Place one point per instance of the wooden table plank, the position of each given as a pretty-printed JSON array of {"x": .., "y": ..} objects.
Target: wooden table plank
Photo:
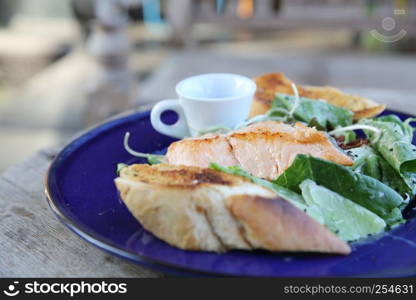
[{"x": 33, "y": 243}]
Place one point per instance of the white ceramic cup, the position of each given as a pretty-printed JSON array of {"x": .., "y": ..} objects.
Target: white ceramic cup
[{"x": 206, "y": 101}]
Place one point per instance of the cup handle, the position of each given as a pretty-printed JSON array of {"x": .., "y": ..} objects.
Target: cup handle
[{"x": 179, "y": 129}]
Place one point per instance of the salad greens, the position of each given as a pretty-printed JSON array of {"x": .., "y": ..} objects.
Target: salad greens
[
  {"x": 395, "y": 143},
  {"x": 349, "y": 136},
  {"x": 364, "y": 190},
  {"x": 406, "y": 127},
  {"x": 395, "y": 146},
  {"x": 316, "y": 113},
  {"x": 322, "y": 115},
  {"x": 368, "y": 162},
  {"x": 323, "y": 205},
  {"x": 339, "y": 212}
]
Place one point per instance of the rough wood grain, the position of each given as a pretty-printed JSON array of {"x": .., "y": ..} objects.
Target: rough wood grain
[{"x": 33, "y": 243}]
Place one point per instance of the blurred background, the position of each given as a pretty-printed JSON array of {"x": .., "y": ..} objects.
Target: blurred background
[{"x": 68, "y": 64}]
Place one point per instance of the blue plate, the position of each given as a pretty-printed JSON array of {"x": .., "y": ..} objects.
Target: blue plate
[{"x": 81, "y": 192}]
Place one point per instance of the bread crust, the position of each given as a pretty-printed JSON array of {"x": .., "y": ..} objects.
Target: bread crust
[
  {"x": 271, "y": 83},
  {"x": 201, "y": 209},
  {"x": 259, "y": 214},
  {"x": 178, "y": 176}
]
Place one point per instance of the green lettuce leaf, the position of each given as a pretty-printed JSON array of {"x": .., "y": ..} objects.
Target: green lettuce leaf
[
  {"x": 395, "y": 218},
  {"x": 363, "y": 190},
  {"x": 342, "y": 216},
  {"x": 349, "y": 136},
  {"x": 405, "y": 126},
  {"x": 395, "y": 145},
  {"x": 316, "y": 113},
  {"x": 368, "y": 162}
]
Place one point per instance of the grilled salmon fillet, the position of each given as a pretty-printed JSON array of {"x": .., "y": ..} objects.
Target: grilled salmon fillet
[
  {"x": 264, "y": 149},
  {"x": 202, "y": 151},
  {"x": 194, "y": 208}
]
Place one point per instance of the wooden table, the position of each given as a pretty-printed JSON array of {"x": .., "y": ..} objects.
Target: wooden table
[{"x": 33, "y": 243}]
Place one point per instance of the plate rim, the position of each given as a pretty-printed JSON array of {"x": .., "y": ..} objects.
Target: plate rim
[{"x": 132, "y": 256}]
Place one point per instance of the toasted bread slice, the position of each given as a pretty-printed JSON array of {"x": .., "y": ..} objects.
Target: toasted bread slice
[
  {"x": 276, "y": 225},
  {"x": 268, "y": 85},
  {"x": 201, "y": 209}
]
